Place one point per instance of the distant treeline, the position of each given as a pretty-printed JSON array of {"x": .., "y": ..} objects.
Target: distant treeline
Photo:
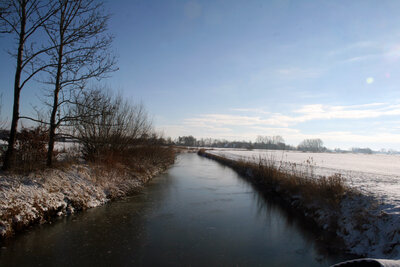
[
  {"x": 268, "y": 142},
  {"x": 262, "y": 142},
  {"x": 221, "y": 143}
]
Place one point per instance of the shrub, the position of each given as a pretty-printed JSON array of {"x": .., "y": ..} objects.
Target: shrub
[
  {"x": 31, "y": 149},
  {"x": 108, "y": 124}
]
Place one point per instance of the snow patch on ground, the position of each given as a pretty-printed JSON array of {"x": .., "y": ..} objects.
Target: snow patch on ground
[{"x": 38, "y": 197}]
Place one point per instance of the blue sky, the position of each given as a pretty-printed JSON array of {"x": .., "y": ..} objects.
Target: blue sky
[{"x": 237, "y": 69}]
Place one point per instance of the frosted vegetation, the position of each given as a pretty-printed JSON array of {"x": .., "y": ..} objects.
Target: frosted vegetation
[
  {"x": 369, "y": 219},
  {"x": 42, "y": 195}
]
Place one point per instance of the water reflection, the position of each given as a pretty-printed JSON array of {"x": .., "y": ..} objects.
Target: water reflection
[{"x": 200, "y": 213}]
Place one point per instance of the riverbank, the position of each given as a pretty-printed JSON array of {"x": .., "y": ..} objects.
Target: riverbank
[
  {"x": 43, "y": 195},
  {"x": 357, "y": 218}
]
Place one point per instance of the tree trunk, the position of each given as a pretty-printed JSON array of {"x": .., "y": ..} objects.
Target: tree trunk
[
  {"x": 7, "y": 164},
  {"x": 53, "y": 124}
]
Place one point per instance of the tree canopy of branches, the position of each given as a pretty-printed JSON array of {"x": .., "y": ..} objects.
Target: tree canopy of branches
[
  {"x": 270, "y": 142},
  {"x": 23, "y": 19},
  {"x": 77, "y": 31},
  {"x": 313, "y": 145},
  {"x": 107, "y": 122},
  {"x": 187, "y": 140}
]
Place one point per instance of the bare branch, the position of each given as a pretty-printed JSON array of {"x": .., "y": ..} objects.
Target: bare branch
[
  {"x": 33, "y": 119},
  {"x": 80, "y": 52}
]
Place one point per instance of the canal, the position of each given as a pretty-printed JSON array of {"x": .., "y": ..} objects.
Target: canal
[{"x": 198, "y": 213}]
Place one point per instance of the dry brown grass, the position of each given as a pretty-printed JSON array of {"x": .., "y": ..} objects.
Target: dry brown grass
[
  {"x": 322, "y": 190},
  {"x": 136, "y": 158}
]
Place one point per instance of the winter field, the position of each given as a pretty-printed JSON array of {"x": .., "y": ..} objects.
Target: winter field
[{"x": 376, "y": 176}]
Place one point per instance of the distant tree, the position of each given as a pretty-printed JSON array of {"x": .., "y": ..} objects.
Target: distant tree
[
  {"x": 169, "y": 141},
  {"x": 22, "y": 19},
  {"x": 313, "y": 145},
  {"x": 270, "y": 142},
  {"x": 361, "y": 150},
  {"x": 277, "y": 139},
  {"x": 260, "y": 139},
  {"x": 187, "y": 140}
]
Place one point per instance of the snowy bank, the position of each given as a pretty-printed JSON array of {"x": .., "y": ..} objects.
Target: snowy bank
[
  {"x": 43, "y": 195},
  {"x": 368, "y": 223}
]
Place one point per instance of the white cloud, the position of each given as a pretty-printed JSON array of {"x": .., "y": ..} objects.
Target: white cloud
[
  {"x": 368, "y": 51},
  {"x": 262, "y": 118},
  {"x": 296, "y": 73},
  {"x": 353, "y": 47},
  {"x": 261, "y": 122},
  {"x": 332, "y": 139},
  {"x": 232, "y": 120},
  {"x": 363, "y": 57},
  {"x": 319, "y": 111},
  {"x": 254, "y": 110}
]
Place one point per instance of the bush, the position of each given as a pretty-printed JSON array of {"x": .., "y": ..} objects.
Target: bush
[
  {"x": 108, "y": 124},
  {"x": 31, "y": 150},
  {"x": 117, "y": 133}
]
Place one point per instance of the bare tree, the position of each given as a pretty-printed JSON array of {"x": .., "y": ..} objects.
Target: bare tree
[
  {"x": 106, "y": 122},
  {"x": 23, "y": 18},
  {"x": 277, "y": 139},
  {"x": 313, "y": 145},
  {"x": 270, "y": 142},
  {"x": 78, "y": 33}
]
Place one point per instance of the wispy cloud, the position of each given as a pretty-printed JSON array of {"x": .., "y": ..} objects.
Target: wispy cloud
[
  {"x": 232, "y": 120},
  {"x": 319, "y": 111},
  {"x": 364, "y": 57},
  {"x": 258, "y": 121},
  {"x": 363, "y": 51},
  {"x": 296, "y": 73},
  {"x": 254, "y": 110},
  {"x": 353, "y": 47},
  {"x": 305, "y": 113}
]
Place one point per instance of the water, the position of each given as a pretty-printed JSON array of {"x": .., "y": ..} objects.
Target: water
[{"x": 199, "y": 213}]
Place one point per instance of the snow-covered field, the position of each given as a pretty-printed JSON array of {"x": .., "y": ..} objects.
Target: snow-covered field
[{"x": 374, "y": 175}]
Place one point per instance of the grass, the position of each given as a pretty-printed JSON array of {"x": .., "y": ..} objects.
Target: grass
[
  {"x": 136, "y": 159},
  {"x": 328, "y": 190},
  {"x": 300, "y": 188}
]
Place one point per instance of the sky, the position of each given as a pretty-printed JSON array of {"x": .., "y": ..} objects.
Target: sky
[{"x": 237, "y": 69}]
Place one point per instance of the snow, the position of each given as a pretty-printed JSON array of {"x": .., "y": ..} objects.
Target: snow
[
  {"x": 38, "y": 196},
  {"x": 370, "y": 222},
  {"x": 375, "y": 174}
]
